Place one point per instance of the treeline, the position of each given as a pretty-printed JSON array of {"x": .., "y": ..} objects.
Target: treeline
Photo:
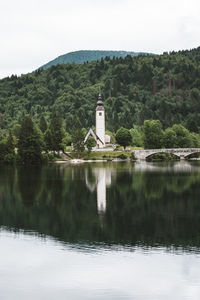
[
  {"x": 152, "y": 136},
  {"x": 27, "y": 143},
  {"x": 148, "y": 87},
  {"x": 31, "y": 143},
  {"x": 177, "y": 136}
]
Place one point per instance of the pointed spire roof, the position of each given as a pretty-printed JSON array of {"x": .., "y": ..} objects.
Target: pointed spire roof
[{"x": 100, "y": 103}]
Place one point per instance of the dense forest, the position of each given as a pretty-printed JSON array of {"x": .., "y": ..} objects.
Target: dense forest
[{"x": 161, "y": 87}]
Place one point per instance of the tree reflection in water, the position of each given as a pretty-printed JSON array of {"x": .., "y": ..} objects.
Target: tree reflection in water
[{"x": 120, "y": 203}]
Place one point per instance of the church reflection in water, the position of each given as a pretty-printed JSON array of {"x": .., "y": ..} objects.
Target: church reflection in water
[{"x": 99, "y": 180}]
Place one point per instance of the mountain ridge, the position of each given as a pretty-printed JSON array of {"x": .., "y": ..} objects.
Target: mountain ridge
[{"x": 82, "y": 56}]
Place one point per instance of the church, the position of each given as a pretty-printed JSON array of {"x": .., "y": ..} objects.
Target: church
[{"x": 101, "y": 138}]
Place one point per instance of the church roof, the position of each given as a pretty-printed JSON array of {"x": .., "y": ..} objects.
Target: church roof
[{"x": 91, "y": 132}]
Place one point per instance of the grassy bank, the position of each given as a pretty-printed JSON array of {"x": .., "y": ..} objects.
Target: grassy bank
[{"x": 102, "y": 155}]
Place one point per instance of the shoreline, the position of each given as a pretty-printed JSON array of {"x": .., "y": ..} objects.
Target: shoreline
[{"x": 76, "y": 161}]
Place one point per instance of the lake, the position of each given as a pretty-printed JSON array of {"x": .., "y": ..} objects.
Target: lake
[{"x": 100, "y": 231}]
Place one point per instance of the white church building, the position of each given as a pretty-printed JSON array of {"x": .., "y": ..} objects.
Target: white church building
[{"x": 102, "y": 140}]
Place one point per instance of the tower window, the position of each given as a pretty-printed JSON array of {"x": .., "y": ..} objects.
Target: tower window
[{"x": 100, "y": 114}]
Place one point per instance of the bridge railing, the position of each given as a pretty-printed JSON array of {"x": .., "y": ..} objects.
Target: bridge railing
[{"x": 169, "y": 150}]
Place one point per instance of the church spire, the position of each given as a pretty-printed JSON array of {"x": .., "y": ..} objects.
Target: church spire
[{"x": 99, "y": 102}]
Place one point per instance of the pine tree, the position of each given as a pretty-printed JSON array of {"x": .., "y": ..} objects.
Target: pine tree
[
  {"x": 78, "y": 138},
  {"x": 10, "y": 144},
  {"x": 29, "y": 144},
  {"x": 56, "y": 132},
  {"x": 47, "y": 140},
  {"x": 43, "y": 124}
]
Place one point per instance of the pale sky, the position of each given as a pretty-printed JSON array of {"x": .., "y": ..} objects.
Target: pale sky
[{"x": 34, "y": 32}]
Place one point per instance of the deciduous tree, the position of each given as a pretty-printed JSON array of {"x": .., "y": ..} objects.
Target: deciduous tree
[
  {"x": 123, "y": 137},
  {"x": 90, "y": 143},
  {"x": 169, "y": 138},
  {"x": 183, "y": 139},
  {"x": 153, "y": 134}
]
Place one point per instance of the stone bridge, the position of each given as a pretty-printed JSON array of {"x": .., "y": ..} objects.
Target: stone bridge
[{"x": 182, "y": 153}]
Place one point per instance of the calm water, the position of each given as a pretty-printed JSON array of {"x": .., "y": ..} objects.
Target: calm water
[{"x": 100, "y": 231}]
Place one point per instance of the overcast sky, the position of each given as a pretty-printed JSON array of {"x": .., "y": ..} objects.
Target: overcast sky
[{"x": 34, "y": 32}]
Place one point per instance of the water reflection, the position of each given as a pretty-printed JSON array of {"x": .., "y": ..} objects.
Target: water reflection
[
  {"x": 100, "y": 231},
  {"x": 179, "y": 166},
  {"x": 99, "y": 180},
  {"x": 142, "y": 204}
]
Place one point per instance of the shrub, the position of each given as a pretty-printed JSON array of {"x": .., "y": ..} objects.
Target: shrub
[
  {"x": 48, "y": 157},
  {"x": 133, "y": 156},
  {"x": 122, "y": 156}
]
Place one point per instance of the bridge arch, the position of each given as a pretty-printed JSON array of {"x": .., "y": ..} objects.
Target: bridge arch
[
  {"x": 182, "y": 153},
  {"x": 162, "y": 152},
  {"x": 187, "y": 156}
]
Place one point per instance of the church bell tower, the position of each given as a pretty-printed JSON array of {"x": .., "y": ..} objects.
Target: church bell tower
[{"x": 100, "y": 123}]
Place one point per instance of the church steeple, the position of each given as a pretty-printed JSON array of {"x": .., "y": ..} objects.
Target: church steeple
[
  {"x": 99, "y": 103},
  {"x": 100, "y": 122}
]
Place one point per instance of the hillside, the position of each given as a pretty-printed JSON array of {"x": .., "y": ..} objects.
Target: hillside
[
  {"x": 164, "y": 87},
  {"x": 83, "y": 56}
]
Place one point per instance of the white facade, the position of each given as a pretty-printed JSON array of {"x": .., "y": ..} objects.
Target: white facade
[
  {"x": 100, "y": 127},
  {"x": 107, "y": 139}
]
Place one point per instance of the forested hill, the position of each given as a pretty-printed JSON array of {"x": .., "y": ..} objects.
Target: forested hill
[
  {"x": 83, "y": 56},
  {"x": 165, "y": 87}
]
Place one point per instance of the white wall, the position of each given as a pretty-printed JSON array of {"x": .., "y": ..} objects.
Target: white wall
[{"x": 100, "y": 126}]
